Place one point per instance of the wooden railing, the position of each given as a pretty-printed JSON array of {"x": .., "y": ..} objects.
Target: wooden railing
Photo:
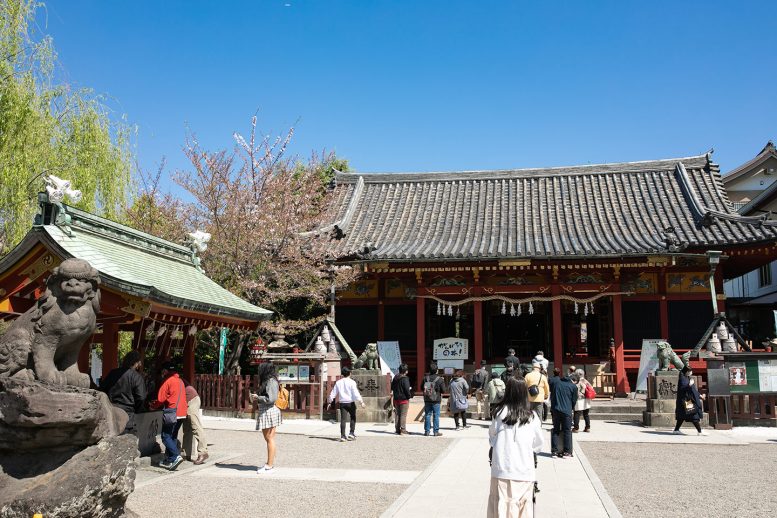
[
  {"x": 746, "y": 407},
  {"x": 604, "y": 384}
]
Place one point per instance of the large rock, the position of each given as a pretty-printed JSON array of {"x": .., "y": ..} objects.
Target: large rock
[
  {"x": 94, "y": 482},
  {"x": 35, "y": 415}
]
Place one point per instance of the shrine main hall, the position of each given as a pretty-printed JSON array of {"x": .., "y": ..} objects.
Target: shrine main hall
[{"x": 582, "y": 262}]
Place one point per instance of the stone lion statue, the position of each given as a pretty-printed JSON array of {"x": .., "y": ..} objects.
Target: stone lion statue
[
  {"x": 368, "y": 359},
  {"x": 667, "y": 357},
  {"x": 45, "y": 341}
]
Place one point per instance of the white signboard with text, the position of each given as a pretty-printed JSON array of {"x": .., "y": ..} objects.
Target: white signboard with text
[
  {"x": 648, "y": 362},
  {"x": 451, "y": 349},
  {"x": 390, "y": 357}
]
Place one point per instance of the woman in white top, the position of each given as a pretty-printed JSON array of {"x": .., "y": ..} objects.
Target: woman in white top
[
  {"x": 515, "y": 436},
  {"x": 583, "y": 405}
]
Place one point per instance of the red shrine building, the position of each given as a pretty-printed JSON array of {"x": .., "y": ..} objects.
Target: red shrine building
[{"x": 581, "y": 262}]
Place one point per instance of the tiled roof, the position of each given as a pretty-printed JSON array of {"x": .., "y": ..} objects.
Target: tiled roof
[
  {"x": 632, "y": 208},
  {"x": 143, "y": 265}
]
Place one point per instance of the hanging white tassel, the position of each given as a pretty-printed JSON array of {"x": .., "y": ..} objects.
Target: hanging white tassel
[
  {"x": 504, "y": 308},
  {"x": 450, "y": 310},
  {"x": 519, "y": 310},
  {"x": 592, "y": 308},
  {"x": 458, "y": 313},
  {"x": 531, "y": 308},
  {"x": 439, "y": 309},
  {"x": 585, "y": 309},
  {"x": 512, "y": 310},
  {"x": 575, "y": 307}
]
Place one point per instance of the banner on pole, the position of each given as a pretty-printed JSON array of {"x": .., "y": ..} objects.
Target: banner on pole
[{"x": 222, "y": 349}]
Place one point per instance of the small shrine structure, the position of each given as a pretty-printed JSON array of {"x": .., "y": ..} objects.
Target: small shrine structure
[{"x": 150, "y": 287}]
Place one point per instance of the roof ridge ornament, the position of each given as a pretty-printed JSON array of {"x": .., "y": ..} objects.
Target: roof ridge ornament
[
  {"x": 198, "y": 242},
  {"x": 52, "y": 211}
]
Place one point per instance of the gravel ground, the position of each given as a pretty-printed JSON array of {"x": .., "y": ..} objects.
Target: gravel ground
[
  {"x": 720, "y": 481},
  {"x": 185, "y": 495}
]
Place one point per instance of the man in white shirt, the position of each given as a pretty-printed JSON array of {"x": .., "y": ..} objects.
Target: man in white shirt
[{"x": 347, "y": 394}]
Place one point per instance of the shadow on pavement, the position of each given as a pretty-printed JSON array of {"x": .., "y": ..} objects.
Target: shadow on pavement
[
  {"x": 659, "y": 432},
  {"x": 323, "y": 437},
  {"x": 236, "y": 467}
]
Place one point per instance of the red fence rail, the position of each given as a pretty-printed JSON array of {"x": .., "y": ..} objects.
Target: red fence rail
[{"x": 725, "y": 410}]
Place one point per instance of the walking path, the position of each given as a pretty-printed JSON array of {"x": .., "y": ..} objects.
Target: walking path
[{"x": 453, "y": 482}]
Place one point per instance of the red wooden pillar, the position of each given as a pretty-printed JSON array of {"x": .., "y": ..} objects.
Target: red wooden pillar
[
  {"x": 663, "y": 307},
  {"x": 478, "y": 314},
  {"x": 110, "y": 347},
  {"x": 420, "y": 344},
  {"x": 188, "y": 356},
  {"x": 83, "y": 357},
  {"x": 621, "y": 381},
  {"x": 381, "y": 320},
  {"x": 719, "y": 291},
  {"x": 558, "y": 344}
]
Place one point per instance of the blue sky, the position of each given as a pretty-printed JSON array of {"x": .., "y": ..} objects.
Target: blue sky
[{"x": 428, "y": 85}]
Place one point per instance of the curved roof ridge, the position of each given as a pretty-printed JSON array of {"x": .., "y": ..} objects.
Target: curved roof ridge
[{"x": 537, "y": 172}]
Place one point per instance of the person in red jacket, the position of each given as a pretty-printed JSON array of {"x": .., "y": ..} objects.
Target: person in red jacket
[{"x": 172, "y": 399}]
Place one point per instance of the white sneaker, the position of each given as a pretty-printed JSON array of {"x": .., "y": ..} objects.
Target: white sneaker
[
  {"x": 702, "y": 433},
  {"x": 265, "y": 470},
  {"x": 677, "y": 432}
]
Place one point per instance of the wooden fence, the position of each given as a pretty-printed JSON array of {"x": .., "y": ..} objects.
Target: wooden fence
[{"x": 746, "y": 408}]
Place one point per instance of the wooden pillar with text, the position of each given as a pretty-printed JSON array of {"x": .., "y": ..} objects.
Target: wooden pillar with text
[
  {"x": 420, "y": 318},
  {"x": 621, "y": 381}
]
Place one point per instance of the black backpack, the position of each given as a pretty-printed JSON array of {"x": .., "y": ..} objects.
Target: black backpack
[
  {"x": 430, "y": 388},
  {"x": 479, "y": 379}
]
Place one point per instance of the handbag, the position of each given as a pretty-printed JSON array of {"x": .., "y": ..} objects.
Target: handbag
[
  {"x": 170, "y": 415},
  {"x": 690, "y": 408}
]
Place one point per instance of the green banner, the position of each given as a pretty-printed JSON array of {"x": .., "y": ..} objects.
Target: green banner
[{"x": 222, "y": 349}]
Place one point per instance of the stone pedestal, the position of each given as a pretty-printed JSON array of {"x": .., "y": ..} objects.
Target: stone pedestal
[
  {"x": 149, "y": 427},
  {"x": 662, "y": 400},
  {"x": 374, "y": 388}
]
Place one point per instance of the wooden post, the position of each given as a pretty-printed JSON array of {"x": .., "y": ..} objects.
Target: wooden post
[
  {"x": 381, "y": 320},
  {"x": 720, "y": 290},
  {"x": 420, "y": 345},
  {"x": 478, "y": 332},
  {"x": 621, "y": 381},
  {"x": 110, "y": 348},
  {"x": 558, "y": 344},
  {"x": 663, "y": 305}
]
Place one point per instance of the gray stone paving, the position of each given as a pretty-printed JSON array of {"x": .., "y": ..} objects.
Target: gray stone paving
[{"x": 687, "y": 480}]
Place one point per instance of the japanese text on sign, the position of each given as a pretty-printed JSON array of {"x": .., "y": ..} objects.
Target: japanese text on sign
[{"x": 451, "y": 349}]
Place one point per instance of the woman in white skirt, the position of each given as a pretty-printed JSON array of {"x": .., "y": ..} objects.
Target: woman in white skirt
[
  {"x": 268, "y": 416},
  {"x": 515, "y": 436},
  {"x": 583, "y": 405}
]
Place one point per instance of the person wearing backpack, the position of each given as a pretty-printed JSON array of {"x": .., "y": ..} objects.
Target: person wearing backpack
[
  {"x": 402, "y": 393},
  {"x": 583, "y": 405},
  {"x": 495, "y": 392},
  {"x": 268, "y": 415},
  {"x": 433, "y": 388},
  {"x": 539, "y": 390},
  {"x": 479, "y": 380}
]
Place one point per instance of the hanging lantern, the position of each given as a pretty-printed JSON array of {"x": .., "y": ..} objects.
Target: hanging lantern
[
  {"x": 439, "y": 309},
  {"x": 531, "y": 308},
  {"x": 512, "y": 310},
  {"x": 504, "y": 308}
]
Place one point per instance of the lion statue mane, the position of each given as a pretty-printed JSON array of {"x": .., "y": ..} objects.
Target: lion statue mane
[
  {"x": 369, "y": 358},
  {"x": 45, "y": 341},
  {"x": 667, "y": 357}
]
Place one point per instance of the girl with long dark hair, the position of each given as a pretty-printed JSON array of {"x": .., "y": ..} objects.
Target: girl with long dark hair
[
  {"x": 515, "y": 436},
  {"x": 268, "y": 416}
]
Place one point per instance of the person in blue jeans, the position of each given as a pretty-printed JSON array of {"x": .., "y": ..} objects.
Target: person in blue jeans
[{"x": 433, "y": 386}]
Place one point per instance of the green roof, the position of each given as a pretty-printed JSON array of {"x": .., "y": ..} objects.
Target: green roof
[{"x": 143, "y": 265}]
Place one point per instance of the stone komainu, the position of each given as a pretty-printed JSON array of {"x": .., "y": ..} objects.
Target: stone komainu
[
  {"x": 667, "y": 357},
  {"x": 369, "y": 358},
  {"x": 45, "y": 341}
]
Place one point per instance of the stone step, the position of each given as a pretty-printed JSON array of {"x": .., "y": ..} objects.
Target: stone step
[
  {"x": 616, "y": 417},
  {"x": 618, "y": 409}
]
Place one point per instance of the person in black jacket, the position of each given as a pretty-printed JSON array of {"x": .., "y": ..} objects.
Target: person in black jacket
[
  {"x": 126, "y": 388},
  {"x": 687, "y": 391},
  {"x": 511, "y": 359},
  {"x": 563, "y": 396},
  {"x": 402, "y": 393}
]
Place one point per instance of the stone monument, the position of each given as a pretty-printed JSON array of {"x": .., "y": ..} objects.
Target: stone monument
[
  {"x": 373, "y": 386},
  {"x": 60, "y": 452}
]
